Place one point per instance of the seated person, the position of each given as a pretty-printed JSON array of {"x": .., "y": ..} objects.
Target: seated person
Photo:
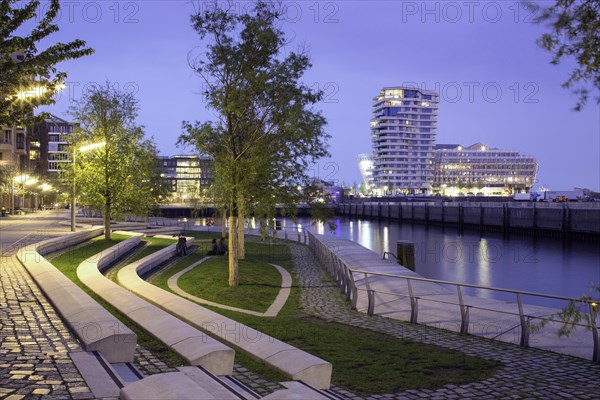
[
  {"x": 214, "y": 251},
  {"x": 222, "y": 248}
]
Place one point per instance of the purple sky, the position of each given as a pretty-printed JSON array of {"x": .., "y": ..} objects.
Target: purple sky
[{"x": 496, "y": 86}]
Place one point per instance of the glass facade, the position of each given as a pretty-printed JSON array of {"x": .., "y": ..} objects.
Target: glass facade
[{"x": 187, "y": 176}]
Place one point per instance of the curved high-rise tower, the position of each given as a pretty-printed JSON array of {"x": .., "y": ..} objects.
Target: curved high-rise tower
[{"x": 403, "y": 131}]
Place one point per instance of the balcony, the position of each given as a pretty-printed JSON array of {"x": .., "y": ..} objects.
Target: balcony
[{"x": 6, "y": 145}]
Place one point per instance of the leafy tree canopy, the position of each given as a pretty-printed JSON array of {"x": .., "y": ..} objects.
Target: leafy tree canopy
[
  {"x": 266, "y": 132},
  {"x": 28, "y": 75},
  {"x": 575, "y": 33},
  {"x": 123, "y": 175}
]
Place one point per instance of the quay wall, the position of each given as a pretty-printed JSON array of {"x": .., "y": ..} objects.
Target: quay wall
[{"x": 565, "y": 220}]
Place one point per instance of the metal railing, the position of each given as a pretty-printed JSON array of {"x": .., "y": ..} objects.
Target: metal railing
[{"x": 344, "y": 276}]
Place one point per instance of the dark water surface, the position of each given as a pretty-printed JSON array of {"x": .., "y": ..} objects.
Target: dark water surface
[{"x": 541, "y": 265}]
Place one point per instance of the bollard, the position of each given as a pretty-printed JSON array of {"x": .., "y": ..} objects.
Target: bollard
[{"x": 406, "y": 254}]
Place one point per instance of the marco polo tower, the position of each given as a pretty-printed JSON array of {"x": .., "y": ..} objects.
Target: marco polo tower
[{"x": 403, "y": 131}]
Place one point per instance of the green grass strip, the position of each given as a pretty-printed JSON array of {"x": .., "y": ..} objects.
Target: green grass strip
[{"x": 259, "y": 281}]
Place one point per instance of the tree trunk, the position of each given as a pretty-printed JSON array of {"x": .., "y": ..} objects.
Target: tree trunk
[
  {"x": 241, "y": 247},
  {"x": 107, "y": 221},
  {"x": 224, "y": 223},
  {"x": 233, "y": 252}
]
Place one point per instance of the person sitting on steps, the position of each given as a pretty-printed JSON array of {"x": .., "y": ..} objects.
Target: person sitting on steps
[
  {"x": 222, "y": 248},
  {"x": 214, "y": 251}
]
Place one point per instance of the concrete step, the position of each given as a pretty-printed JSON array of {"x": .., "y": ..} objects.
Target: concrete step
[
  {"x": 220, "y": 387},
  {"x": 128, "y": 373},
  {"x": 242, "y": 389},
  {"x": 298, "y": 390},
  {"x": 98, "y": 374}
]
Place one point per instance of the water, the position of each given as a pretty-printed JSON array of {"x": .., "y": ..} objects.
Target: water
[{"x": 540, "y": 265}]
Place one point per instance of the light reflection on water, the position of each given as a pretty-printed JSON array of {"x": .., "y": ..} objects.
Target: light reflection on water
[{"x": 541, "y": 265}]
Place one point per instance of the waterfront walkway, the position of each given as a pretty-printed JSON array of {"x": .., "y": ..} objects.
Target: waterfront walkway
[
  {"x": 34, "y": 360},
  {"x": 527, "y": 373},
  {"x": 439, "y": 305}
]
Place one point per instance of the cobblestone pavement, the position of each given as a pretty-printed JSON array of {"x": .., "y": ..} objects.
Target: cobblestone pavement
[
  {"x": 526, "y": 373},
  {"x": 34, "y": 360}
]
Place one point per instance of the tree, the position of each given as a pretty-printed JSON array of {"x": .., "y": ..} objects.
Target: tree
[
  {"x": 26, "y": 73},
  {"x": 574, "y": 33},
  {"x": 581, "y": 312},
  {"x": 123, "y": 175},
  {"x": 7, "y": 174},
  {"x": 266, "y": 132}
]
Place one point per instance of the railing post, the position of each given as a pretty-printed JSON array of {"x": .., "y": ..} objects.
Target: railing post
[
  {"x": 354, "y": 290},
  {"x": 524, "y": 323},
  {"x": 464, "y": 312},
  {"x": 349, "y": 282},
  {"x": 340, "y": 275},
  {"x": 414, "y": 304},
  {"x": 333, "y": 268},
  {"x": 593, "y": 315},
  {"x": 371, "y": 307}
]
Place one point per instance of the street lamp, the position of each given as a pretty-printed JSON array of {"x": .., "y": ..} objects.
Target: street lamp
[
  {"x": 28, "y": 182},
  {"x": 19, "y": 179},
  {"x": 82, "y": 149},
  {"x": 44, "y": 187}
]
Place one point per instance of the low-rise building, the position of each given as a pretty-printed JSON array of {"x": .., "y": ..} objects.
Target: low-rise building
[
  {"x": 187, "y": 176},
  {"x": 482, "y": 170}
]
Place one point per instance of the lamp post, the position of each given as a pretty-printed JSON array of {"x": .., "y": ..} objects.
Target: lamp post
[
  {"x": 82, "y": 149},
  {"x": 27, "y": 182},
  {"x": 19, "y": 179}
]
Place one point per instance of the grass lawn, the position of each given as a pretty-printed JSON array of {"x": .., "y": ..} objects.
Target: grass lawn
[
  {"x": 364, "y": 362},
  {"x": 259, "y": 285},
  {"x": 68, "y": 262}
]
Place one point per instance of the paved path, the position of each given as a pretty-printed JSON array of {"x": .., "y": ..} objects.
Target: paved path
[
  {"x": 438, "y": 304},
  {"x": 34, "y": 360},
  {"x": 527, "y": 373},
  {"x": 272, "y": 311}
]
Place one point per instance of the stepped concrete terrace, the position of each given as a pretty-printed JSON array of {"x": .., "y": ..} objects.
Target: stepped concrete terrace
[
  {"x": 193, "y": 345},
  {"x": 288, "y": 360},
  {"x": 96, "y": 328}
]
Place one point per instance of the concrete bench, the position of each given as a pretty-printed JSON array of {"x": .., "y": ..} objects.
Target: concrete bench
[
  {"x": 96, "y": 328},
  {"x": 155, "y": 231},
  {"x": 286, "y": 359},
  {"x": 194, "y": 346}
]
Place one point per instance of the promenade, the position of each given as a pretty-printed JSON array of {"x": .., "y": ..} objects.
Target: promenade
[
  {"x": 35, "y": 362},
  {"x": 527, "y": 373}
]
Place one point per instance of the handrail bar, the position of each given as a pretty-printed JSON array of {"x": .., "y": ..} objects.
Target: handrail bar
[
  {"x": 389, "y": 253},
  {"x": 360, "y": 271},
  {"x": 421, "y": 297}
]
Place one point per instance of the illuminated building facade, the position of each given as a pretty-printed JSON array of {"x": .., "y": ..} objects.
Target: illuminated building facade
[
  {"x": 403, "y": 132},
  {"x": 365, "y": 165},
  {"x": 187, "y": 176},
  {"x": 480, "y": 169},
  {"x": 49, "y": 146}
]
